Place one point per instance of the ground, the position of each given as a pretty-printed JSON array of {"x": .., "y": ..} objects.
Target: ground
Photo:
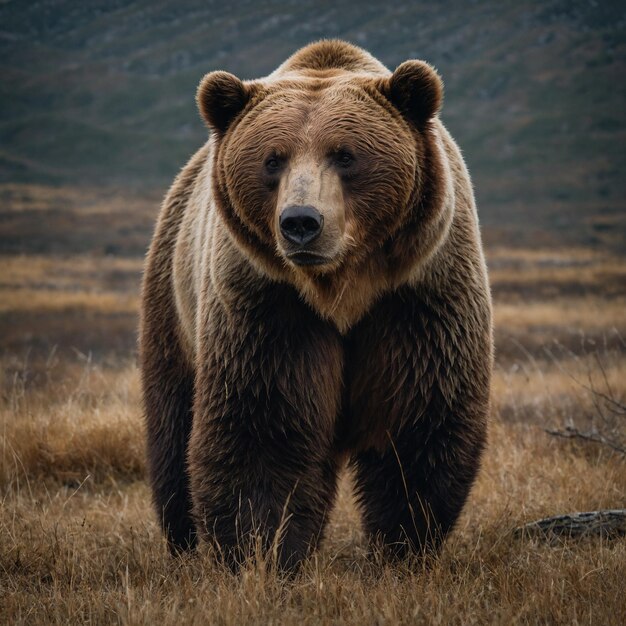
[{"x": 79, "y": 541}]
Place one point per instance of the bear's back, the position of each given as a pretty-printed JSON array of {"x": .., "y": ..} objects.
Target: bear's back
[{"x": 330, "y": 57}]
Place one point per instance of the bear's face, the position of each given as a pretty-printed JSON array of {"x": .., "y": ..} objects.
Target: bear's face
[{"x": 321, "y": 170}]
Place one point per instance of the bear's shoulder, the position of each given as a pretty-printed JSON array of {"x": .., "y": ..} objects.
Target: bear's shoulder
[{"x": 331, "y": 55}]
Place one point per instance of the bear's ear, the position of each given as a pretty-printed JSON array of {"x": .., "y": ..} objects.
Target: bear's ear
[
  {"x": 221, "y": 97},
  {"x": 416, "y": 90}
]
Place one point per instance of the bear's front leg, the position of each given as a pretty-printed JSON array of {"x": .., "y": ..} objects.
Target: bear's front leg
[
  {"x": 261, "y": 457},
  {"x": 418, "y": 414}
]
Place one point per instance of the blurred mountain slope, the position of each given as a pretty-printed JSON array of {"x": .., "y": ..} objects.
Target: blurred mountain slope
[{"x": 101, "y": 93}]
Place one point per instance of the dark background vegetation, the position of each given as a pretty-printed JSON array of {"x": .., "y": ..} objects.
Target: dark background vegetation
[{"x": 100, "y": 93}]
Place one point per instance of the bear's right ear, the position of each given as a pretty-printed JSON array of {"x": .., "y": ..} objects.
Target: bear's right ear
[
  {"x": 415, "y": 89},
  {"x": 221, "y": 97}
]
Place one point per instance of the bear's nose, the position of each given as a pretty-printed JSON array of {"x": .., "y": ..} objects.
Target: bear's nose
[{"x": 301, "y": 224}]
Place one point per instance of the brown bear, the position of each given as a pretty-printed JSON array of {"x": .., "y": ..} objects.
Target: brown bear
[{"x": 316, "y": 295}]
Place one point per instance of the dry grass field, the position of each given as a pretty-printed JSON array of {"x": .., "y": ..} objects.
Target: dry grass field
[{"x": 79, "y": 541}]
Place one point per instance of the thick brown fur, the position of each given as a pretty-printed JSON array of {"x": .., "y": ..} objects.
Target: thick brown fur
[{"x": 263, "y": 374}]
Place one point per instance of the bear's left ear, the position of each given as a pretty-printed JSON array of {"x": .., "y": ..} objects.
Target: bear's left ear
[
  {"x": 221, "y": 97},
  {"x": 416, "y": 90}
]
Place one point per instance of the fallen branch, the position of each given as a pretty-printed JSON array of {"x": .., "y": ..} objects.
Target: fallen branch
[
  {"x": 569, "y": 432},
  {"x": 609, "y": 524}
]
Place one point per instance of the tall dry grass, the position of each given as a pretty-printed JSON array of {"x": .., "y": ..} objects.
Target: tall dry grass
[{"x": 79, "y": 542}]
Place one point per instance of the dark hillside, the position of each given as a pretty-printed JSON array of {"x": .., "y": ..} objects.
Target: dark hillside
[{"x": 101, "y": 93}]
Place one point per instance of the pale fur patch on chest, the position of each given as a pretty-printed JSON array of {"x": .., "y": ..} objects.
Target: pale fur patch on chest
[{"x": 349, "y": 299}]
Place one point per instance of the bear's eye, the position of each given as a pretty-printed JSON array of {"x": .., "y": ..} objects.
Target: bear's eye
[
  {"x": 272, "y": 165},
  {"x": 343, "y": 158}
]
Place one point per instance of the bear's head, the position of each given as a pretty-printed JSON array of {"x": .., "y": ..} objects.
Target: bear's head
[{"x": 319, "y": 168}]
